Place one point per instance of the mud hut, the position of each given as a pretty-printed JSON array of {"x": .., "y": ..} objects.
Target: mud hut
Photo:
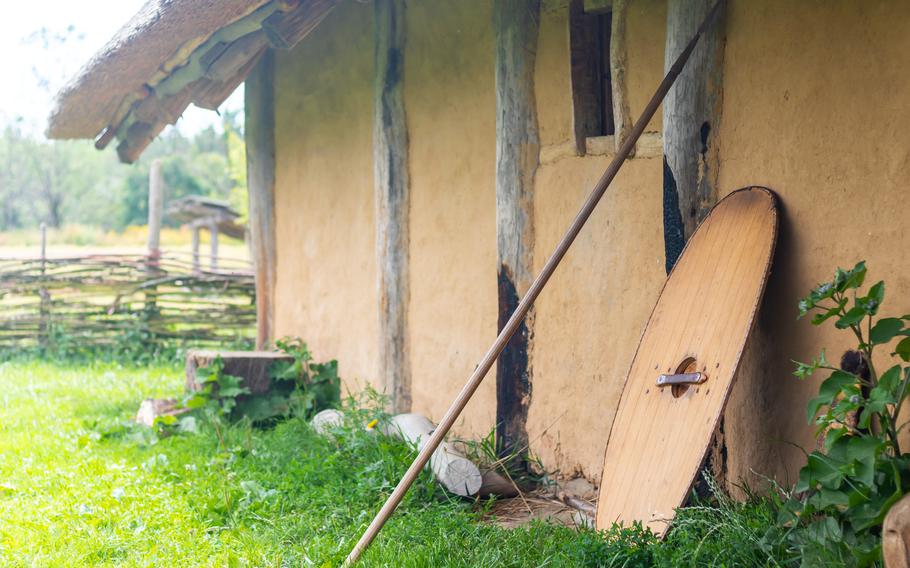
[{"x": 413, "y": 162}]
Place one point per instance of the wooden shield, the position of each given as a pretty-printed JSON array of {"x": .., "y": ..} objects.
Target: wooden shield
[{"x": 694, "y": 338}]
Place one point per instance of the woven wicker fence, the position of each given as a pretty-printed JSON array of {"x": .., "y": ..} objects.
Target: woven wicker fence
[{"x": 99, "y": 300}]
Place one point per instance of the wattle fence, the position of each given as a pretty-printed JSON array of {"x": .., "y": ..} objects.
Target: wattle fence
[{"x": 103, "y": 300}]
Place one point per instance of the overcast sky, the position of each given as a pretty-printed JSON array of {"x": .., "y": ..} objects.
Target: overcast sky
[{"x": 37, "y": 63}]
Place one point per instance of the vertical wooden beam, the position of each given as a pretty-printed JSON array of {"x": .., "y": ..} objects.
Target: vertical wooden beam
[
  {"x": 622, "y": 119},
  {"x": 691, "y": 117},
  {"x": 392, "y": 200},
  {"x": 259, "y": 132},
  {"x": 515, "y": 24}
]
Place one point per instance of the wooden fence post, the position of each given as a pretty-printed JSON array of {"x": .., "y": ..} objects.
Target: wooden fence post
[
  {"x": 44, "y": 307},
  {"x": 515, "y": 27},
  {"x": 213, "y": 245},
  {"x": 155, "y": 211},
  {"x": 156, "y": 206},
  {"x": 197, "y": 267}
]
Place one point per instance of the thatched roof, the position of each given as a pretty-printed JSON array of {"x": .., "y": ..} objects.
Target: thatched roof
[
  {"x": 171, "y": 54},
  {"x": 140, "y": 50}
]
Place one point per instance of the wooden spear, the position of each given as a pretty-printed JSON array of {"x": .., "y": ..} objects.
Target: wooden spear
[{"x": 528, "y": 300}]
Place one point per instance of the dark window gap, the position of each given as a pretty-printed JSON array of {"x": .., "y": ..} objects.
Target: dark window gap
[{"x": 592, "y": 90}]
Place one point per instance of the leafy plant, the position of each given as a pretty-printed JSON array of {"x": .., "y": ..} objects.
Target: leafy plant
[
  {"x": 219, "y": 392},
  {"x": 847, "y": 487},
  {"x": 314, "y": 386},
  {"x": 299, "y": 387}
]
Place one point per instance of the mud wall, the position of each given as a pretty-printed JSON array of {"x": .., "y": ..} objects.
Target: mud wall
[{"x": 814, "y": 108}]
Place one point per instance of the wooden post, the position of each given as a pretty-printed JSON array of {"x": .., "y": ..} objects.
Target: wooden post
[
  {"x": 259, "y": 130},
  {"x": 691, "y": 116},
  {"x": 43, "y": 246},
  {"x": 390, "y": 168},
  {"x": 515, "y": 27},
  {"x": 197, "y": 267},
  {"x": 156, "y": 206},
  {"x": 213, "y": 245},
  {"x": 43, "y": 309},
  {"x": 622, "y": 119}
]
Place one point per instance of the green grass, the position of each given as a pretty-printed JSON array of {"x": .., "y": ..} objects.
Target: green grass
[{"x": 81, "y": 486}]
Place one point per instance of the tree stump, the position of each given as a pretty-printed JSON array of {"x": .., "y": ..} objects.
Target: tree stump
[
  {"x": 896, "y": 535},
  {"x": 251, "y": 366}
]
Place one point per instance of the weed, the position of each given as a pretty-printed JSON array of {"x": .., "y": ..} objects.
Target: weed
[{"x": 845, "y": 490}]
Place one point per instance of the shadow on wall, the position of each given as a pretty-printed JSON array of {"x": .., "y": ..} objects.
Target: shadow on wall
[{"x": 767, "y": 403}]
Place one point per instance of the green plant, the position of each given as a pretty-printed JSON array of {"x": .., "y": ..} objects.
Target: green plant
[
  {"x": 300, "y": 387},
  {"x": 219, "y": 393},
  {"x": 846, "y": 488},
  {"x": 314, "y": 386}
]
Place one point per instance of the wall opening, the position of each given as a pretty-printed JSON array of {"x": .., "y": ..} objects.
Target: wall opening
[{"x": 590, "y": 27}]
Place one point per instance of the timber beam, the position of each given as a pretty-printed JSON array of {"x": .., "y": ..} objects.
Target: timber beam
[
  {"x": 260, "y": 166},
  {"x": 691, "y": 117},
  {"x": 515, "y": 27},
  {"x": 392, "y": 199}
]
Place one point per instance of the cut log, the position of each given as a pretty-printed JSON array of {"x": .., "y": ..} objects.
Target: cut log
[
  {"x": 496, "y": 484},
  {"x": 251, "y": 366},
  {"x": 152, "y": 408},
  {"x": 456, "y": 473},
  {"x": 896, "y": 535}
]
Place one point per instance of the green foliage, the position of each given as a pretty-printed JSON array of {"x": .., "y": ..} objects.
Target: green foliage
[
  {"x": 315, "y": 386},
  {"x": 82, "y": 485},
  {"x": 135, "y": 345},
  {"x": 190, "y": 166},
  {"x": 846, "y": 489},
  {"x": 299, "y": 387},
  {"x": 61, "y": 182}
]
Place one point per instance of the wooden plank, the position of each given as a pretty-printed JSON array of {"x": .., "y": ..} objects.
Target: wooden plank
[
  {"x": 138, "y": 136},
  {"x": 599, "y": 6},
  {"x": 211, "y": 95},
  {"x": 660, "y": 435},
  {"x": 516, "y": 26},
  {"x": 392, "y": 199},
  {"x": 286, "y": 29},
  {"x": 235, "y": 57},
  {"x": 691, "y": 116},
  {"x": 259, "y": 132}
]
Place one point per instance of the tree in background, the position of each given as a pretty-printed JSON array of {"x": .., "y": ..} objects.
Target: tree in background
[
  {"x": 206, "y": 164},
  {"x": 60, "y": 182}
]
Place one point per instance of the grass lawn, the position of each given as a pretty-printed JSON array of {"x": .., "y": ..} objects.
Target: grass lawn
[{"x": 80, "y": 485}]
